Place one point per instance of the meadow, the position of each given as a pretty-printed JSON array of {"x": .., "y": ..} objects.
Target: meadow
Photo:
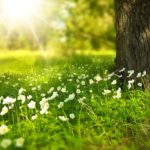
[{"x": 71, "y": 103}]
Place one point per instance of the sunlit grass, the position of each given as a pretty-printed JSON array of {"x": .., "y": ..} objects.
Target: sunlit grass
[
  {"x": 21, "y": 61},
  {"x": 101, "y": 121},
  {"x": 96, "y": 52}
]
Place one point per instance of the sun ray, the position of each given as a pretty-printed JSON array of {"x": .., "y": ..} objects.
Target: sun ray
[
  {"x": 19, "y": 16},
  {"x": 2, "y": 19},
  {"x": 43, "y": 20},
  {"x": 35, "y": 35},
  {"x": 9, "y": 29}
]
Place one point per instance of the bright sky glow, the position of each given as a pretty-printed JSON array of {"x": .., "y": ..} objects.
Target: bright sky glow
[
  {"x": 35, "y": 16},
  {"x": 20, "y": 9}
]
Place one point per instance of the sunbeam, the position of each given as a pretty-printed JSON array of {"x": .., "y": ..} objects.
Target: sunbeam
[
  {"x": 35, "y": 35},
  {"x": 34, "y": 16}
]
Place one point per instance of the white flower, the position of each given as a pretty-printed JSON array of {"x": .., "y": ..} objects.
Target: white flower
[
  {"x": 54, "y": 95},
  {"x": 43, "y": 101},
  {"x": 63, "y": 118},
  {"x": 98, "y": 78},
  {"x": 5, "y": 143},
  {"x": 82, "y": 82},
  {"x": 4, "y": 111},
  {"x": 106, "y": 92},
  {"x": 29, "y": 97},
  {"x": 22, "y": 98},
  {"x": 111, "y": 75},
  {"x": 19, "y": 142},
  {"x": 91, "y": 81},
  {"x": 39, "y": 87},
  {"x": 70, "y": 80},
  {"x": 70, "y": 97},
  {"x": 21, "y": 90},
  {"x": 119, "y": 76},
  {"x": 129, "y": 86},
  {"x": 60, "y": 105},
  {"x": 114, "y": 82},
  {"x": 34, "y": 117},
  {"x": 58, "y": 88},
  {"x": 119, "y": 90},
  {"x": 81, "y": 100},
  {"x": 34, "y": 89},
  {"x": 118, "y": 94},
  {"x": 130, "y": 82},
  {"x": 3, "y": 129},
  {"x": 130, "y": 72},
  {"x": 9, "y": 100},
  {"x": 50, "y": 90},
  {"x": 44, "y": 106},
  {"x": 139, "y": 75},
  {"x": 78, "y": 91},
  {"x": 43, "y": 112},
  {"x": 122, "y": 70},
  {"x": 63, "y": 90},
  {"x": 139, "y": 84},
  {"x": 144, "y": 73},
  {"x": 91, "y": 91},
  {"x": 11, "y": 106},
  {"x": 72, "y": 116},
  {"x": 43, "y": 94},
  {"x": 32, "y": 105}
]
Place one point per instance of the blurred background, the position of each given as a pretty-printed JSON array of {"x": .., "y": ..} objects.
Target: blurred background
[{"x": 64, "y": 26}]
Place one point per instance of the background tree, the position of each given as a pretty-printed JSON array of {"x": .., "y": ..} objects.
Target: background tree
[
  {"x": 133, "y": 34},
  {"x": 90, "y": 24}
]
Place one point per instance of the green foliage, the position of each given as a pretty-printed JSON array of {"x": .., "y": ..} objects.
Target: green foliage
[{"x": 90, "y": 24}]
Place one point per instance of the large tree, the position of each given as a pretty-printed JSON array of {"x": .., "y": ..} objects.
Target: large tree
[{"x": 133, "y": 34}]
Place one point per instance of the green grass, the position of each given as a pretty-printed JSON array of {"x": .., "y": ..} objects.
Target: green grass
[{"x": 101, "y": 122}]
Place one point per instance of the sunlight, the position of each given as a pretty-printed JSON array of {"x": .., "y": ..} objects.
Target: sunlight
[{"x": 19, "y": 10}]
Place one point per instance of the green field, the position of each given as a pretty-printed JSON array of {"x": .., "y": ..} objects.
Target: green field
[{"x": 69, "y": 103}]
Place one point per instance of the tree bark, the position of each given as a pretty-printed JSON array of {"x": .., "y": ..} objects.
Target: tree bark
[{"x": 133, "y": 34}]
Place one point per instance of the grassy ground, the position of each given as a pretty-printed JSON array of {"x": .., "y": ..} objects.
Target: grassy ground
[{"x": 68, "y": 104}]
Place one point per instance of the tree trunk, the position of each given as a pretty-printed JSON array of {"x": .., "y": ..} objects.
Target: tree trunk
[{"x": 133, "y": 34}]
